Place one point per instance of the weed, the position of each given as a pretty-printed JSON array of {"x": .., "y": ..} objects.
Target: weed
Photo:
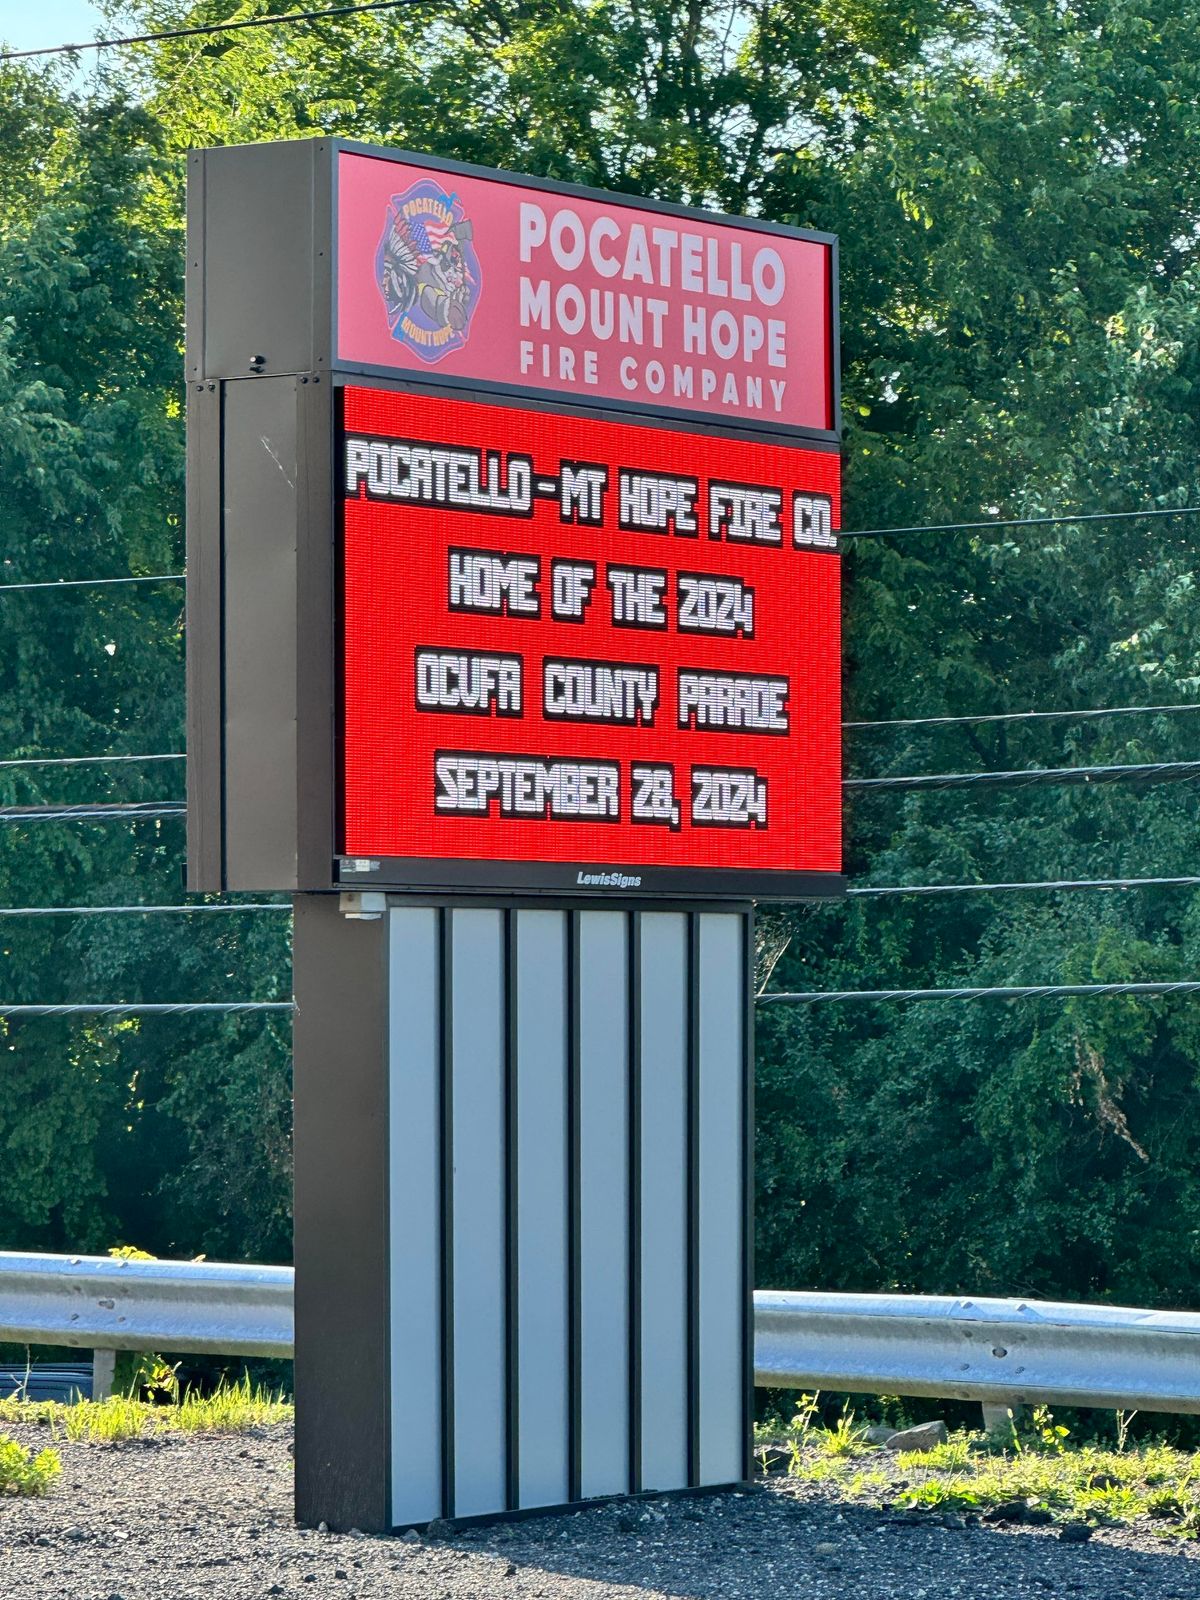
[
  {"x": 937, "y": 1494},
  {"x": 1165, "y": 1505},
  {"x": 1072, "y": 1481},
  {"x": 864, "y": 1483},
  {"x": 1124, "y": 1418},
  {"x": 1042, "y": 1432},
  {"x": 954, "y": 1456},
  {"x": 1115, "y": 1503},
  {"x": 806, "y": 1410},
  {"x": 22, "y": 1472},
  {"x": 843, "y": 1439},
  {"x": 231, "y": 1408},
  {"x": 820, "y": 1469},
  {"x": 103, "y": 1421}
]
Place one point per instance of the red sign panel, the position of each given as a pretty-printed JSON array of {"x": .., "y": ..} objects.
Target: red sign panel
[
  {"x": 610, "y": 649},
  {"x": 448, "y": 274}
]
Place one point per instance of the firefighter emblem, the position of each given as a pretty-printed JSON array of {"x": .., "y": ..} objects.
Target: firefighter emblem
[{"x": 427, "y": 270}]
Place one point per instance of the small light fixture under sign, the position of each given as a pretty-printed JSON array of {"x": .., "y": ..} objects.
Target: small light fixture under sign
[{"x": 362, "y": 906}]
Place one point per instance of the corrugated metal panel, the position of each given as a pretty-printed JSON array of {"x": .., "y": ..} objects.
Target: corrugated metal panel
[
  {"x": 542, "y": 1220},
  {"x": 414, "y": 1209},
  {"x": 603, "y": 1204},
  {"x": 664, "y": 1201}
]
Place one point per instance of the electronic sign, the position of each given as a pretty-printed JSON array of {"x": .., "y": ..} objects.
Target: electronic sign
[
  {"x": 585, "y": 654},
  {"x": 512, "y": 523}
]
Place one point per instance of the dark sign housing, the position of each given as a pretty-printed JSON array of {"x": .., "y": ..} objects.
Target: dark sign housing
[{"x": 512, "y": 560}]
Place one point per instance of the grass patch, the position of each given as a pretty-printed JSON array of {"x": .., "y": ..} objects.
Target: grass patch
[
  {"x": 230, "y": 1408},
  {"x": 953, "y": 1456},
  {"x": 843, "y": 1439},
  {"x": 1039, "y": 1469},
  {"x": 22, "y": 1472},
  {"x": 811, "y": 1467},
  {"x": 941, "y": 1494}
]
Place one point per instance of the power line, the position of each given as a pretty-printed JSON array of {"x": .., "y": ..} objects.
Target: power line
[
  {"x": 861, "y": 533},
  {"x": 1022, "y": 992},
  {"x": 1022, "y": 716},
  {"x": 286, "y": 18},
  {"x": 1024, "y": 522},
  {"x": 995, "y": 888},
  {"x": 85, "y": 761},
  {"x": 94, "y": 812},
  {"x": 898, "y": 722},
  {"x": 172, "y": 1009},
  {"x": 114, "y": 911},
  {"x": 91, "y": 583},
  {"x": 958, "y": 780}
]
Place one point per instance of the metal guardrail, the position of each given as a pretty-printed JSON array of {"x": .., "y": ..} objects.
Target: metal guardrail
[
  {"x": 185, "y": 1307},
  {"x": 998, "y": 1352}
]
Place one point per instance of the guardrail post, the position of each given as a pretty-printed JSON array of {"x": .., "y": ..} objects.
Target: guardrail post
[
  {"x": 104, "y": 1371},
  {"x": 1000, "y": 1419}
]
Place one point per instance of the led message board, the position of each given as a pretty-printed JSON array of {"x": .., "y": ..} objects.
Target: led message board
[
  {"x": 585, "y": 654},
  {"x": 450, "y": 271}
]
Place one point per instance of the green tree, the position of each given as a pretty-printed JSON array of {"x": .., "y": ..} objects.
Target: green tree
[
  {"x": 1016, "y": 197},
  {"x": 1020, "y": 271},
  {"x": 102, "y": 1126}
]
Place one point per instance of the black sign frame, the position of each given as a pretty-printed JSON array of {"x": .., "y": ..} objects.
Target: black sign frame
[{"x": 263, "y": 558}]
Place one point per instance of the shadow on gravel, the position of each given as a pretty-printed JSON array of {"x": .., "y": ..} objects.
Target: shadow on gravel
[{"x": 766, "y": 1544}]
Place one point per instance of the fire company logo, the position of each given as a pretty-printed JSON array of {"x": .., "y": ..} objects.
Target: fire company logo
[{"x": 427, "y": 270}]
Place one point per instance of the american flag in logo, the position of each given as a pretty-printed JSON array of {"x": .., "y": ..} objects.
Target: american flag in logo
[{"x": 428, "y": 231}]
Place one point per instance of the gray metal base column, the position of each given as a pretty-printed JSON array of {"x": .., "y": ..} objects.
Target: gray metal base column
[{"x": 545, "y": 1129}]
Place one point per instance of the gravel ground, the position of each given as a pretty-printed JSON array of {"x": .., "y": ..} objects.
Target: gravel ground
[{"x": 186, "y": 1518}]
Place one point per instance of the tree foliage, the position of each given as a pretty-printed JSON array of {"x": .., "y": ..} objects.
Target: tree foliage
[
  {"x": 173, "y": 1133},
  {"x": 1016, "y": 194}
]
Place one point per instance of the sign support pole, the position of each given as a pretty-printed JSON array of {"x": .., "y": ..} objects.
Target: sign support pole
[{"x": 522, "y": 1207}]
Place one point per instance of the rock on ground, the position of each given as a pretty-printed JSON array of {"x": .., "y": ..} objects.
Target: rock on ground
[
  {"x": 186, "y": 1518},
  {"x": 925, "y": 1436}
]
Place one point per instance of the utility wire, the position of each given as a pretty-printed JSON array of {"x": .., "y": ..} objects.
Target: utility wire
[
  {"x": 1024, "y": 522},
  {"x": 91, "y": 583},
  {"x": 172, "y": 1009},
  {"x": 94, "y": 812},
  {"x": 959, "y": 780},
  {"x": 1027, "y": 991},
  {"x": 84, "y": 761},
  {"x": 994, "y": 888},
  {"x": 925, "y": 780},
  {"x": 1022, "y": 716},
  {"x": 284, "y": 18},
  {"x": 115, "y": 911},
  {"x": 900, "y": 722},
  {"x": 1022, "y": 992},
  {"x": 861, "y": 533},
  {"x": 1162, "y": 770}
]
